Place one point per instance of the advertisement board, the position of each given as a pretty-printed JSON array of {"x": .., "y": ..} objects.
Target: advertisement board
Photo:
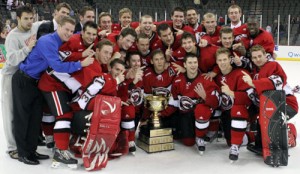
[{"x": 289, "y": 53}]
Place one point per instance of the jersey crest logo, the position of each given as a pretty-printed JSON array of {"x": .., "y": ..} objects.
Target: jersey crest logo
[
  {"x": 159, "y": 77},
  {"x": 226, "y": 102},
  {"x": 187, "y": 85},
  {"x": 161, "y": 91},
  {"x": 186, "y": 103},
  {"x": 136, "y": 97}
]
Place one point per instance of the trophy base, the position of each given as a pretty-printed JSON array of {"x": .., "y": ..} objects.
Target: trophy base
[
  {"x": 154, "y": 132},
  {"x": 155, "y": 140},
  {"x": 155, "y": 147}
]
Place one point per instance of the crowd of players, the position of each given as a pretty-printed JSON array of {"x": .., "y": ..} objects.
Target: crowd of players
[{"x": 209, "y": 73}]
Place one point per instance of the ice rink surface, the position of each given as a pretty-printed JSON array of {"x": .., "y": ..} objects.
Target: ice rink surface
[{"x": 182, "y": 160}]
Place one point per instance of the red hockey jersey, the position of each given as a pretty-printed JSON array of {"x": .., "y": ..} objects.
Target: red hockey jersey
[
  {"x": 240, "y": 32},
  {"x": 271, "y": 76},
  {"x": 116, "y": 28},
  {"x": 158, "y": 84},
  {"x": 103, "y": 84},
  {"x": 159, "y": 44},
  {"x": 238, "y": 86},
  {"x": 264, "y": 39},
  {"x": 213, "y": 39},
  {"x": 69, "y": 51},
  {"x": 76, "y": 46},
  {"x": 185, "y": 98},
  {"x": 206, "y": 58},
  {"x": 130, "y": 92}
]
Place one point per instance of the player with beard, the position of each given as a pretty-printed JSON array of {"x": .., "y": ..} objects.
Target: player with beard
[
  {"x": 102, "y": 83},
  {"x": 192, "y": 18},
  {"x": 258, "y": 36},
  {"x": 95, "y": 83},
  {"x": 196, "y": 98}
]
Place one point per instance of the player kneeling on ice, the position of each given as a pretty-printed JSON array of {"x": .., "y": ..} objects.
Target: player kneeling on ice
[
  {"x": 235, "y": 100},
  {"x": 102, "y": 126},
  {"x": 196, "y": 98},
  {"x": 277, "y": 104}
]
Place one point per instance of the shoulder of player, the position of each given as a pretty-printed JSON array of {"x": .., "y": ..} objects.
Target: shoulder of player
[
  {"x": 148, "y": 71},
  {"x": 237, "y": 72},
  {"x": 180, "y": 78},
  {"x": 270, "y": 65},
  {"x": 171, "y": 70}
]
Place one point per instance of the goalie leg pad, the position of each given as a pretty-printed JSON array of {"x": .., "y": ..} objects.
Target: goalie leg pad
[
  {"x": 103, "y": 131},
  {"x": 273, "y": 128}
]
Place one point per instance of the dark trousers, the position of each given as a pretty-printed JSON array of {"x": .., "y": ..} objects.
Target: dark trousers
[{"x": 27, "y": 103}]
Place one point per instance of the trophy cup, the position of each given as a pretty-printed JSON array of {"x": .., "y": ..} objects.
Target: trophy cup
[{"x": 153, "y": 137}]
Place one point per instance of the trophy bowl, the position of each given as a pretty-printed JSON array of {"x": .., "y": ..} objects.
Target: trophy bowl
[{"x": 155, "y": 104}]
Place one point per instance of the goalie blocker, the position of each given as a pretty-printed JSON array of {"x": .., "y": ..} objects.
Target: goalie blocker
[
  {"x": 102, "y": 127},
  {"x": 274, "y": 128}
]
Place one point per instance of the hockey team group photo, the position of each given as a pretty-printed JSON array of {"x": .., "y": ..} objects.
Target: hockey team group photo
[{"x": 145, "y": 86}]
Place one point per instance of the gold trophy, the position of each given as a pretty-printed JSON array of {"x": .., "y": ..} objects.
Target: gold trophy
[
  {"x": 155, "y": 104},
  {"x": 153, "y": 137}
]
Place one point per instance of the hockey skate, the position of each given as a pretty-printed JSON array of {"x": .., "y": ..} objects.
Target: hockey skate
[
  {"x": 234, "y": 153},
  {"x": 211, "y": 136},
  {"x": 63, "y": 157},
  {"x": 201, "y": 145},
  {"x": 49, "y": 141},
  {"x": 132, "y": 147}
]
